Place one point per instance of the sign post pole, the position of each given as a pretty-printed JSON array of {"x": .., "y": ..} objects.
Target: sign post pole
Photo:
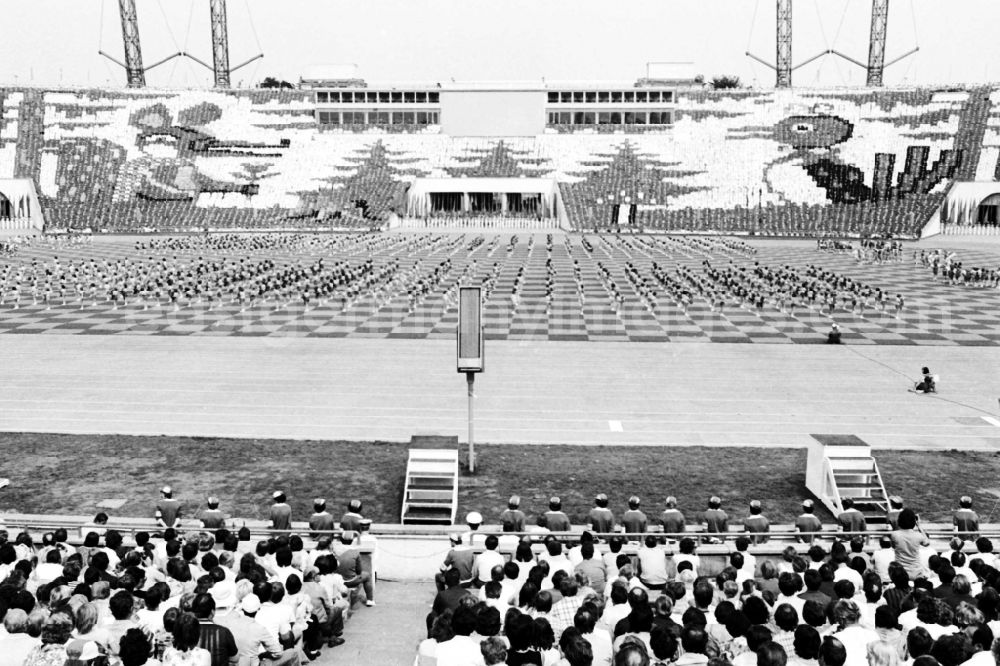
[
  {"x": 470, "y": 377},
  {"x": 471, "y": 350}
]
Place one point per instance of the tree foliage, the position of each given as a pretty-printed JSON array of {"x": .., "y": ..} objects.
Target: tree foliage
[
  {"x": 726, "y": 82},
  {"x": 271, "y": 82}
]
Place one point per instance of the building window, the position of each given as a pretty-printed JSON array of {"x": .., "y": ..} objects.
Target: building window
[
  {"x": 578, "y": 97},
  {"x": 421, "y": 117},
  {"x": 616, "y": 118},
  {"x": 434, "y": 116},
  {"x": 630, "y": 97},
  {"x": 565, "y": 97},
  {"x": 383, "y": 117},
  {"x": 603, "y": 118},
  {"x": 408, "y": 118},
  {"x": 654, "y": 96},
  {"x": 629, "y": 118},
  {"x": 591, "y": 97},
  {"x": 409, "y": 97},
  {"x": 397, "y": 97},
  {"x": 640, "y": 96},
  {"x": 421, "y": 98},
  {"x": 589, "y": 118},
  {"x": 383, "y": 98},
  {"x": 668, "y": 97},
  {"x": 616, "y": 96},
  {"x": 322, "y": 98},
  {"x": 553, "y": 97},
  {"x": 565, "y": 118},
  {"x": 640, "y": 118},
  {"x": 604, "y": 97}
]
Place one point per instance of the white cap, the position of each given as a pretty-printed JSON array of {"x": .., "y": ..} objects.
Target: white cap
[{"x": 474, "y": 518}]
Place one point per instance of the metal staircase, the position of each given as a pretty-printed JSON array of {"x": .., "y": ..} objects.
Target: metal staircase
[
  {"x": 842, "y": 466},
  {"x": 430, "y": 496}
]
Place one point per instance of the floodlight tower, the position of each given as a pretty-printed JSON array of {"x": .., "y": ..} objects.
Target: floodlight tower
[
  {"x": 876, "y": 46},
  {"x": 876, "y": 42},
  {"x": 220, "y": 47},
  {"x": 783, "y": 62},
  {"x": 220, "y": 44},
  {"x": 134, "y": 71},
  {"x": 784, "y": 67}
]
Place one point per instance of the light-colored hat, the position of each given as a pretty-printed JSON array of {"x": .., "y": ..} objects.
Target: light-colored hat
[
  {"x": 754, "y": 504},
  {"x": 166, "y": 490},
  {"x": 807, "y": 504},
  {"x": 224, "y": 594},
  {"x": 455, "y": 537},
  {"x": 277, "y": 493},
  {"x": 474, "y": 518},
  {"x": 250, "y": 604}
]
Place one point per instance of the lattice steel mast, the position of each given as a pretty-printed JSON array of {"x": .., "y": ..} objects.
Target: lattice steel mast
[
  {"x": 220, "y": 44},
  {"x": 134, "y": 71},
  {"x": 783, "y": 65},
  {"x": 876, "y": 42}
]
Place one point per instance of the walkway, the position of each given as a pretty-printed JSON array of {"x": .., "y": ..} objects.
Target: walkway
[{"x": 387, "y": 634}]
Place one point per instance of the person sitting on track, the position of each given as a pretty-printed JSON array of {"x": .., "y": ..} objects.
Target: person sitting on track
[{"x": 928, "y": 384}]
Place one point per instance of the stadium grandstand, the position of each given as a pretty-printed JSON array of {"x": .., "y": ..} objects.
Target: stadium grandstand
[
  {"x": 636, "y": 156},
  {"x": 230, "y": 318}
]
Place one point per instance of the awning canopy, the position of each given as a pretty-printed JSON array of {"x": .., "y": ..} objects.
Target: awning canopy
[
  {"x": 964, "y": 199},
  {"x": 419, "y": 204}
]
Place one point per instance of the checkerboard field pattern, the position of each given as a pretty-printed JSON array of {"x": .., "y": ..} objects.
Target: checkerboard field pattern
[{"x": 936, "y": 313}]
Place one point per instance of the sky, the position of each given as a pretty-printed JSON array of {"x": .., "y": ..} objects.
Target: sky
[{"x": 55, "y": 42}]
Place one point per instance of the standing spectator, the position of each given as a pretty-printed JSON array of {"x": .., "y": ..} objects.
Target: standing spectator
[
  {"x": 512, "y": 519},
  {"x": 321, "y": 520},
  {"x": 602, "y": 520},
  {"x": 352, "y": 519},
  {"x": 965, "y": 520},
  {"x": 716, "y": 520},
  {"x": 672, "y": 519},
  {"x": 757, "y": 523},
  {"x": 850, "y": 519},
  {"x": 281, "y": 512},
  {"x": 168, "y": 510},
  {"x": 634, "y": 520},
  {"x": 212, "y": 518},
  {"x": 807, "y": 522},
  {"x": 555, "y": 519},
  {"x": 907, "y": 542}
]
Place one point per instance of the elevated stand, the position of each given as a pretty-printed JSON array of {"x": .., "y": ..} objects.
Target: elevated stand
[
  {"x": 430, "y": 496},
  {"x": 842, "y": 466}
]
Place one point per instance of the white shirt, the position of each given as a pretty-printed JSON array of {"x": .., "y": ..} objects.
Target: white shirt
[
  {"x": 600, "y": 645},
  {"x": 485, "y": 562},
  {"x": 459, "y": 651},
  {"x": 856, "y": 639},
  {"x": 276, "y": 618},
  {"x": 881, "y": 559}
]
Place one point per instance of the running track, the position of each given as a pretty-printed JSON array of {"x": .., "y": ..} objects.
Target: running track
[{"x": 532, "y": 392}]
